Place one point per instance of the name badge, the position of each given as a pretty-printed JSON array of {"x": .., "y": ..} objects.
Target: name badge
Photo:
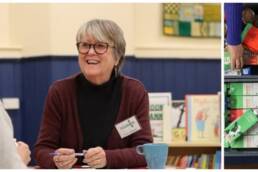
[{"x": 128, "y": 127}]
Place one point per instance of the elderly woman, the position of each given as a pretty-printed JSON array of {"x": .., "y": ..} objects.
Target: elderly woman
[{"x": 98, "y": 116}]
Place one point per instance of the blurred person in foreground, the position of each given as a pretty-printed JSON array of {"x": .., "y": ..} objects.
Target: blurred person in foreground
[{"x": 13, "y": 154}]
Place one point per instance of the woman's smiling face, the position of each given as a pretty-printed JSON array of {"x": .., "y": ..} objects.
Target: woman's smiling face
[{"x": 96, "y": 67}]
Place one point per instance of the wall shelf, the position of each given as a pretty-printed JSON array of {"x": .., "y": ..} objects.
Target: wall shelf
[
  {"x": 245, "y": 158},
  {"x": 244, "y": 152},
  {"x": 194, "y": 144},
  {"x": 191, "y": 148}
]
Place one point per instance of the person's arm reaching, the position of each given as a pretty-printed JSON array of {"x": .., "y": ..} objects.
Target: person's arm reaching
[{"x": 233, "y": 14}]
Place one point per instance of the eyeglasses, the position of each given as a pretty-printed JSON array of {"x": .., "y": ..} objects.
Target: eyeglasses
[{"x": 99, "y": 47}]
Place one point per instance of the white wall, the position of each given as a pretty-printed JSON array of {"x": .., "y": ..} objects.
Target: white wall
[{"x": 50, "y": 29}]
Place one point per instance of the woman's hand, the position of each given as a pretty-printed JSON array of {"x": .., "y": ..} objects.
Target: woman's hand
[
  {"x": 95, "y": 157},
  {"x": 24, "y": 152},
  {"x": 236, "y": 54},
  {"x": 65, "y": 158}
]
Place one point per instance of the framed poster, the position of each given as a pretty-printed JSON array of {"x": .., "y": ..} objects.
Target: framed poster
[
  {"x": 160, "y": 116},
  {"x": 192, "y": 20}
]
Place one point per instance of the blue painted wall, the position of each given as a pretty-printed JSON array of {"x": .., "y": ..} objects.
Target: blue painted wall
[
  {"x": 176, "y": 75},
  {"x": 30, "y": 78},
  {"x": 10, "y": 86}
]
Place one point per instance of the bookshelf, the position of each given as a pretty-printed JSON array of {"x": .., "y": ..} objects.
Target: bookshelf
[
  {"x": 196, "y": 147},
  {"x": 202, "y": 148},
  {"x": 185, "y": 148},
  {"x": 240, "y": 158},
  {"x": 193, "y": 144},
  {"x": 182, "y": 149}
]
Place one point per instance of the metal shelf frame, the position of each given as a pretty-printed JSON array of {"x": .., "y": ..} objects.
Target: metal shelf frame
[{"x": 253, "y": 78}]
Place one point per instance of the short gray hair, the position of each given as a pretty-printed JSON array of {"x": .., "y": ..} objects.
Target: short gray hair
[{"x": 105, "y": 31}]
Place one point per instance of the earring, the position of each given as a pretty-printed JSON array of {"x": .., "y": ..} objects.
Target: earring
[{"x": 116, "y": 71}]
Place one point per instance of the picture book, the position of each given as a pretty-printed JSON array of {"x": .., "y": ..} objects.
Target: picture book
[
  {"x": 178, "y": 114},
  {"x": 203, "y": 118},
  {"x": 178, "y": 121},
  {"x": 160, "y": 116}
]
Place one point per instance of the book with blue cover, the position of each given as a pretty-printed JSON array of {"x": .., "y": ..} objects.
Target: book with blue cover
[{"x": 217, "y": 161}]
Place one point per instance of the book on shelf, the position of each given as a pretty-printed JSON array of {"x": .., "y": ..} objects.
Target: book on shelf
[
  {"x": 245, "y": 141},
  {"x": 203, "y": 118},
  {"x": 248, "y": 140},
  {"x": 243, "y": 102},
  {"x": 197, "y": 161},
  {"x": 243, "y": 89},
  {"x": 178, "y": 121},
  {"x": 160, "y": 116},
  {"x": 242, "y": 98},
  {"x": 239, "y": 127},
  {"x": 236, "y": 113},
  {"x": 217, "y": 160},
  {"x": 178, "y": 114},
  {"x": 183, "y": 162}
]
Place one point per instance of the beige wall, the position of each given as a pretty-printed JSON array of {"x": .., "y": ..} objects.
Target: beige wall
[
  {"x": 151, "y": 43},
  {"x": 67, "y": 18},
  {"x": 6, "y": 48},
  {"x": 49, "y": 29},
  {"x": 30, "y": 28},
  {"x": 4, "y": 23}
]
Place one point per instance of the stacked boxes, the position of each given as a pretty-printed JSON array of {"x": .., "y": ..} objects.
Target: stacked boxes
[
  {"x": 248, "y": 140},
  {"x": 240, "y": 126},
  {"x": 243, "y": 89},
  {"x": 241, "y": 131}
]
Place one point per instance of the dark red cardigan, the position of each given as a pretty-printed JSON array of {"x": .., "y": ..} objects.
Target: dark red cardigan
[{"x": 60, "y": 126}]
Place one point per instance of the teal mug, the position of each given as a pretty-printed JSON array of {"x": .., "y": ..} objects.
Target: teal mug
[{"x": 155, "y": 154}]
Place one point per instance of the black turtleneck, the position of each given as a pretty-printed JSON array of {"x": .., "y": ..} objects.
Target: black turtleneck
[{"x": 98, "y": 107}]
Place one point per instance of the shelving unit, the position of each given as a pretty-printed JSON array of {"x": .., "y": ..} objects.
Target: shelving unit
[
  {"x": 188, "y": 148},
  {"x": 241, "y": 158},
  {"x": 193, "y": 144},
  {"x": 245, "y": 158},
  {"x": 250, "y": 78}
]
